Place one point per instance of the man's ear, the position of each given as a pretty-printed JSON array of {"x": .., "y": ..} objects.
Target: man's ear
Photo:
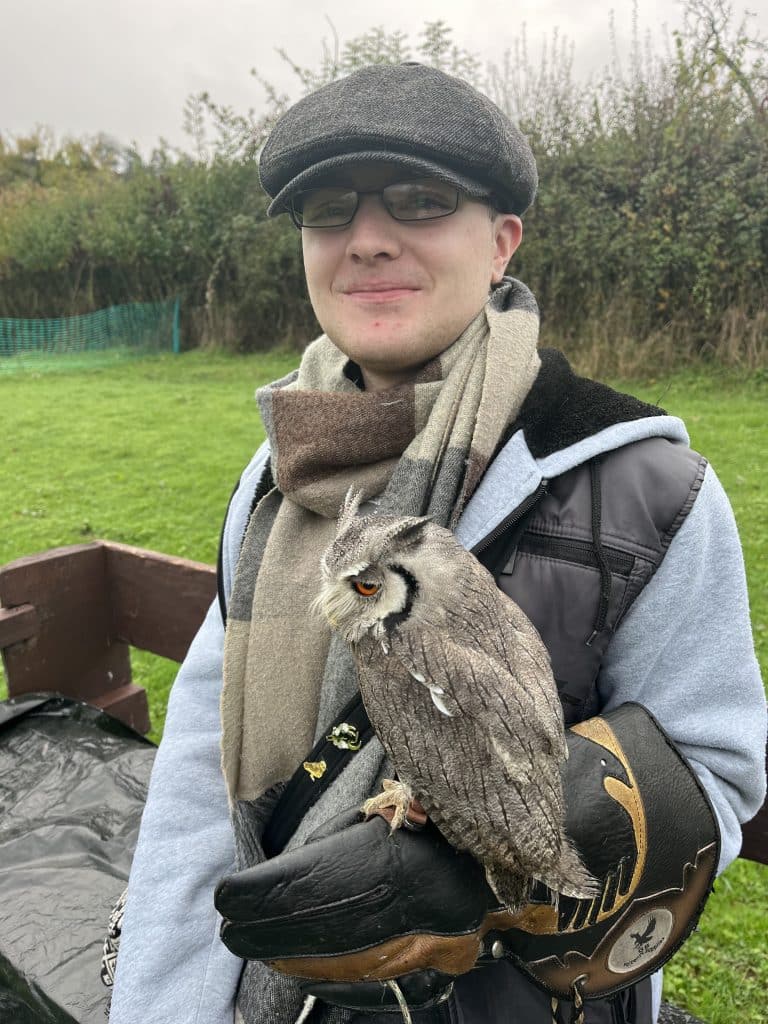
[{"x": 507, "y": 236}]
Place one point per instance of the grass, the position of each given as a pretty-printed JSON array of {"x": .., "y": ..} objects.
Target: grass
[
  {"x": 34, "y": 362},
  {"x": 147, "y": 452}
]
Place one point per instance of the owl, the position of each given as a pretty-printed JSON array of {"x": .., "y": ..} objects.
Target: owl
[{"x": 458, "y": 687}]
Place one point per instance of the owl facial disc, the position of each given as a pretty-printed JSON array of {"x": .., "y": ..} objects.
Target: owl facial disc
[{"x": 359, "y": 599}]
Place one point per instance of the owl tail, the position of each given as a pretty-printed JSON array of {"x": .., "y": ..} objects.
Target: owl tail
[
  {"x": 509, "y": 887},
  {"x": 569, "y": 877}
]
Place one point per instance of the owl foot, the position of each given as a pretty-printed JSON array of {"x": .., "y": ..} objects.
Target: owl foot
[{"x": 397, "y": 804}]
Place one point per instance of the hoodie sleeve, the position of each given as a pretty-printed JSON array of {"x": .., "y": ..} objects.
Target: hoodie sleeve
[
  {"x": 685, "y": 652},
  {"x": 172, "y": 968}
]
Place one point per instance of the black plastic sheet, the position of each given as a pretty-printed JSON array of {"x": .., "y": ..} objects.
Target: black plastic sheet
[{"x": 73, "y": 781}]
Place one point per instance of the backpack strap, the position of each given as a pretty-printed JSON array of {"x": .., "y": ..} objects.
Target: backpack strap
[
  {"x": 265, "y": 484},
  {"x": 220, "y": 560}
]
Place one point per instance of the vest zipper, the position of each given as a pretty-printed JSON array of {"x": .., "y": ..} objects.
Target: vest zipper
[{"x": 522, "y": 509}]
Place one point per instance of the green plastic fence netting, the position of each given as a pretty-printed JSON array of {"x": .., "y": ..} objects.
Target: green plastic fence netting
[{"x": 104, "y": 335}]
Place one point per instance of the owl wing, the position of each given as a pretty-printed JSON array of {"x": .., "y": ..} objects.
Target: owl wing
[
  {"x": 529, "y": 662},
  {"x": 514, "y": 629},
  {"x": 496, "y": 774},
  {"x": 508, "y": 705},
  {"x": 489, "y": 621}
]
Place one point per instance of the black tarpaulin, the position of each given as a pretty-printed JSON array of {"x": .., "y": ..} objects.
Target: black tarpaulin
[{"x": 73, "y": 781}]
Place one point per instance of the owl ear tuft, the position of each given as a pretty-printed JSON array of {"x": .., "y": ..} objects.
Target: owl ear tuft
[
  {"x": 407, "y": 529},
  {"x": 348, "y": 510}
]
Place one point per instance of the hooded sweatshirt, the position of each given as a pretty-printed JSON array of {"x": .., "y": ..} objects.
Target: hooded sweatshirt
[{"x": 676, "y": 652}]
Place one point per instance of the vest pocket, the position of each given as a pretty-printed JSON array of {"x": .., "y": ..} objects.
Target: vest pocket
[
  {"x": 578, "y": 552},
  {"x": 574, "y": 604}
]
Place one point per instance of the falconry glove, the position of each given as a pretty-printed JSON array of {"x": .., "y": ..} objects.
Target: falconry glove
[{"x": 355, "y": 909}]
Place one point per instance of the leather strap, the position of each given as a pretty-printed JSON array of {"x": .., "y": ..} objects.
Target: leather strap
[{"x": 341, "y": 741}]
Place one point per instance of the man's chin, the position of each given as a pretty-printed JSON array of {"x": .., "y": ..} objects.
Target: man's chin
[
  {"x": 380, "y": 375},
  {"x": 379, "y": 345},
  {"x": 386, "y": 348}
]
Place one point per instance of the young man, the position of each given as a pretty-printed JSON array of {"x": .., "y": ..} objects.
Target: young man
[{"x": 427, "y": 392}]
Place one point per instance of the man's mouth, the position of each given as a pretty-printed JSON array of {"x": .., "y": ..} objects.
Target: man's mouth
[{"x": 383, "y": 292}]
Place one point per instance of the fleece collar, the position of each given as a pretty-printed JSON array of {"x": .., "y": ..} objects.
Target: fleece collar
[
  {"x": 562, "y": 408},
  {"x": 565, "y": 421}
]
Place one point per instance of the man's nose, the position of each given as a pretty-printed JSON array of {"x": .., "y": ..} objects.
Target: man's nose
[{"x": 373, "y": 232}]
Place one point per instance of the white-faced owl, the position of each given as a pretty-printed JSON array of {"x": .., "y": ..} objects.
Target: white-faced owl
[{"x": 458, "y": 687}]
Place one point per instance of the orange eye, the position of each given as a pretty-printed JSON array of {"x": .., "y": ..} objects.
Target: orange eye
[{"x": 366, "y": 589}]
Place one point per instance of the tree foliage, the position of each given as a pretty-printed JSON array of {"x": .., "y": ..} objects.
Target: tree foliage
[{"x": 651, "y": 220}]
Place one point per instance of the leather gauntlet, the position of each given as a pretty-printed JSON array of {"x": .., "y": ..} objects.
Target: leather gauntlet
[
  {"x": 362, "y": 905},
  {"x": 644, "y": 826}
]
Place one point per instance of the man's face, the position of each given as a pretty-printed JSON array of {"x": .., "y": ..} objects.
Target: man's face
[{"x": 394, "y": 294}]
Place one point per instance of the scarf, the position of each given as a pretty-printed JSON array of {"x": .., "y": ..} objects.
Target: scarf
[
  {"x": 422, "y": 446},
  {"x": 419, "y": 448}
]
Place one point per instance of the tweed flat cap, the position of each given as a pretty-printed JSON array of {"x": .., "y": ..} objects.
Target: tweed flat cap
[{"x": 409, "y": 114}]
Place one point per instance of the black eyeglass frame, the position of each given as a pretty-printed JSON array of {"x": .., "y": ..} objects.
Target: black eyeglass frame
[{"x": 296, "y": 215}]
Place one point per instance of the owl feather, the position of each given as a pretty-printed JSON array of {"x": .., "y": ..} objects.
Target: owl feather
[{"x": 458, "y": 686}]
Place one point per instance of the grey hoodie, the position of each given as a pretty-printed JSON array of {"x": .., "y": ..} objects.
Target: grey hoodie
[{"x": 676, "y": 652}]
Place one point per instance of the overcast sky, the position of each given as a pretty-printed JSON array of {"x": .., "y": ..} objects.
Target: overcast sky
[{"x": 125, "y": 68}]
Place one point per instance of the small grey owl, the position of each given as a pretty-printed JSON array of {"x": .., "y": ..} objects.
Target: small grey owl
[{"x": 458, "y": 687}]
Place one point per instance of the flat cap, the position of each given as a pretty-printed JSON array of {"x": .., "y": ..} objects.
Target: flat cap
[{"x": 410, "y": 114}]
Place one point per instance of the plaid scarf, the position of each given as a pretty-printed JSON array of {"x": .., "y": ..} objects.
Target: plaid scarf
[{"x": 422, "y": 447}]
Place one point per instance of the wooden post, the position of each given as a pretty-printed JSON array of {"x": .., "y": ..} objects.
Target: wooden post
[
  {"x": 755, "y": 833},
  {"x": 158, "y": 601},
  {"x": 67, "y": 645},
  {"x": 176, "y": 336}
]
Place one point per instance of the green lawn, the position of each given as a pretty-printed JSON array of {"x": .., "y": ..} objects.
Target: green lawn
[{"x": 147, "y": 451}]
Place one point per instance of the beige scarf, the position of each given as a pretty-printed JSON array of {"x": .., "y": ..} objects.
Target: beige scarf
[{"x": 422, "y": 446}]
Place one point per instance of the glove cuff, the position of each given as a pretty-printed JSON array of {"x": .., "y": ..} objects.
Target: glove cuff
[{"x": 644, "y": 826}]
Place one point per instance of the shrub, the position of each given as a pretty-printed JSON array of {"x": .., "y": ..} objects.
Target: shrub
[{"x": 648, "y": 241}]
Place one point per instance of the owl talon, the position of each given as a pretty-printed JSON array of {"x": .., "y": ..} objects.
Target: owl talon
[{"x": 392, "y": 803}]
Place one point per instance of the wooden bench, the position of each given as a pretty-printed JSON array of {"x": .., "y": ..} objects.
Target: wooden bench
[{"x": 68, "y": 618}]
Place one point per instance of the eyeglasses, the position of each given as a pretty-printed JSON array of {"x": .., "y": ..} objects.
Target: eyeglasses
[{"x": 334, "y": 206}]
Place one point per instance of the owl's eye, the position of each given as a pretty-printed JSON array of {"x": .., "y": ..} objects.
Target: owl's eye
[{"x": 366, "y": 589}]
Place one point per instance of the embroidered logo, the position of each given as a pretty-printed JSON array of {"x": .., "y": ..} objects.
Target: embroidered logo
[
  {"x": 645, "y": 938},
  {"x": 641, "y": 942}
]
